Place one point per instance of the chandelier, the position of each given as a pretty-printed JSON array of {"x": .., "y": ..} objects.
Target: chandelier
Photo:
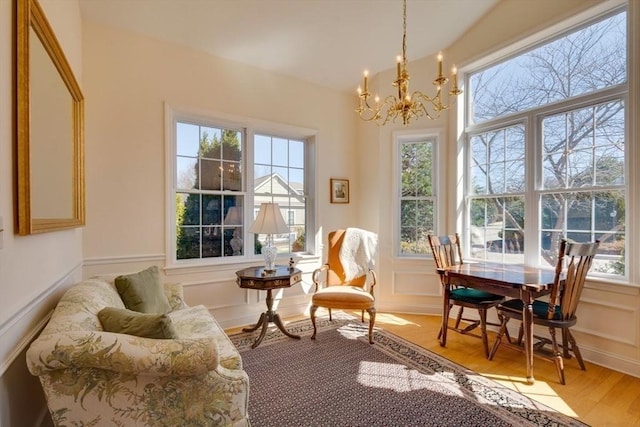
[{"x": 406, "y": 105}]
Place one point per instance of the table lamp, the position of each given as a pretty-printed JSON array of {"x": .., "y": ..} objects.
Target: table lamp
[
  {"x": 269, "y": 221},
  {"x": 234, "y": 217}
]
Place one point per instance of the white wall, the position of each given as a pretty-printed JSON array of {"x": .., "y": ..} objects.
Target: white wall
[
  {"x": 34, "y": 270},
  {"x": 128, "y": 80}
]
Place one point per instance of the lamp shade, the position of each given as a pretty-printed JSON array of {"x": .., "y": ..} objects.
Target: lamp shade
[
  {"x": 269, "y": 220},
  {"x": 234, "y": 216}
]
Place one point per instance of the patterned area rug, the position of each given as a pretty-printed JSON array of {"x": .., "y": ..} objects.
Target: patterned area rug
[{"x": 341, "y": 380}]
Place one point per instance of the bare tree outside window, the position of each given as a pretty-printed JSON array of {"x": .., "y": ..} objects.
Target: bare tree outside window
[{"x": 571, "y": 91}]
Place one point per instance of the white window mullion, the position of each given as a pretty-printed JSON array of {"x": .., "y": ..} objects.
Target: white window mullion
[{"x": 533, "y": 176}]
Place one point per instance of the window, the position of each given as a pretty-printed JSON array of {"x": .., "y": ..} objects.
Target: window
[
  {"x": 497, "y": 188},
  {"x": 209, "y": 184},
  {"x": 214, "y": 196},
  {"x": 416, "y": 196},
  {"x": 546, "y": 141},
  {"x": 279, "y": 177}
]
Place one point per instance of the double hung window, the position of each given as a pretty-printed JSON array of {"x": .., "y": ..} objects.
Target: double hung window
[
  {"x": 220, "y": 176},
  {"x": 416, "y": 193},
  {"x": 279, "y": 177},
  {"x": 546, "y": 149},
  {"x": 209, "y": 184}
]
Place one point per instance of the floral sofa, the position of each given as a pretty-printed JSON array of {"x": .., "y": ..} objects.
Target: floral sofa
[{"x": 97, "y": 378}]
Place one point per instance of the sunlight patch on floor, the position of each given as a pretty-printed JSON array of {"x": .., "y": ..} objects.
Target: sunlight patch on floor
[
  {"x": 540, "y": 391},
  {"x": 399, "y": 378},
  {"x": 352, "y": 332},
  {"x": 390, "y": 319}
]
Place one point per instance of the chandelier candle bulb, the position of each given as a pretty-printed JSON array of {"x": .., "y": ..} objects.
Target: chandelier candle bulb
[
  {"x": 366, "y": 86},
  {"x": 407, "y": 105},
  {"x": 454, "y": 73}
]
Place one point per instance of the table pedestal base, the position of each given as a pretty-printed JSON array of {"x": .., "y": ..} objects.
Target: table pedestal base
[{"x": 267, "y": 317}]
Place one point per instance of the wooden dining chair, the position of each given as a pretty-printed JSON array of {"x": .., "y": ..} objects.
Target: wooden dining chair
[
  {"x": 446, "y": 252},
  {"x": 559, "y": 312}
]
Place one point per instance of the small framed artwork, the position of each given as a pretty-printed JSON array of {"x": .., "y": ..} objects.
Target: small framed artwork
[{"x": 339, "y": 190}]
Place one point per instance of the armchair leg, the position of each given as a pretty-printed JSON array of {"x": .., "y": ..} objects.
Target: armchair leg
[
  {"x": 362, "y": 316},
  {"x": 312, "y": 312},
  {"x": 330, "y": 319},
  {"x": 372, "y": 319}
]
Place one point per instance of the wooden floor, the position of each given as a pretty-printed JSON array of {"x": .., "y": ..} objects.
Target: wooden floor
[{"x": 597, "y": 396}]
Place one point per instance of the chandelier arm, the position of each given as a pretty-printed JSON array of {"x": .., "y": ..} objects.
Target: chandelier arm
[
  {"x": 392, "y": 111},
  {"x": 435, "y": 101},
  {"x": 369, "y": 113},
  {"x": 407, "y": 106}
]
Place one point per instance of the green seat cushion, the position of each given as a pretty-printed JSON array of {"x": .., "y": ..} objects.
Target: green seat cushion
[
  {"x": 146, "y": 325},
  {"x": 540, "y": 308},
  {"x": 473, "y": 295},
  {"x": 143, "y": 291}
]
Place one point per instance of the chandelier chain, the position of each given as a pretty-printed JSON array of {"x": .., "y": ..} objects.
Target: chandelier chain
[
  {"x": 404, "y": 33},
  {"x": 407, "y": 105}
]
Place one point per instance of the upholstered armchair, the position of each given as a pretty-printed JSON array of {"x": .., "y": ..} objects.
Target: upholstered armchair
[{"x": 347, "y": 280}]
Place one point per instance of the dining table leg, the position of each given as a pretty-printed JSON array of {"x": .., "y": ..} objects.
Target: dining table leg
[
  {"x": 445, "y": 313},
  {"x": 527, "y": 324}
]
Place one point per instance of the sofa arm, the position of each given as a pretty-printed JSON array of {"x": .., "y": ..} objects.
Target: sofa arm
[
  {"x": 122, "y": 353},
  {"x": 175, "y": 295}
]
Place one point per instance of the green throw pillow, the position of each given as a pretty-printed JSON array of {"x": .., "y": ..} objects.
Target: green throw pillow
[
  {"x": 129, "y": 322},
  {"x": 143, "y": 291}
]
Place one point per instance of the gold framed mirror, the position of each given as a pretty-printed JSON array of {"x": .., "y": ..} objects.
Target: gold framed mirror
[{"x": 50, "y": 129}]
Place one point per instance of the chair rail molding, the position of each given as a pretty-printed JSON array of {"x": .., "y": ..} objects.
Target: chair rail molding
[{"x": 17, "y": 332}]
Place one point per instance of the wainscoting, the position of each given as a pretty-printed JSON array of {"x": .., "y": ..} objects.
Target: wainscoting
[
  {"x": 405, "y": 289},
  {"x": 22, "y": 400}
]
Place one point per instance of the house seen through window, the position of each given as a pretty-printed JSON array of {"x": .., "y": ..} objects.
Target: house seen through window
[{"x": 217, "y": 197}]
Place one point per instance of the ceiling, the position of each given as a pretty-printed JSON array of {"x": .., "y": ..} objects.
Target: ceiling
[{"x": 327, "y": 42}]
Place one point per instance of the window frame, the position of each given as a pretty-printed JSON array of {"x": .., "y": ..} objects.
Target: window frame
[
  {"x": 532, "y": 120},
  {"x": 414, "y": 136},
  {"x": 249, "y": 128}
]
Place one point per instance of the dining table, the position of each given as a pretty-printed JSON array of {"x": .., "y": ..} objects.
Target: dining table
[{"x": 510, "y": 280}]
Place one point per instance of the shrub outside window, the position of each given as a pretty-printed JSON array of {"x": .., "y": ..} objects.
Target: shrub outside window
[
  {"x": 214, "y": 195},
  {"x": 417, "y": 202}
]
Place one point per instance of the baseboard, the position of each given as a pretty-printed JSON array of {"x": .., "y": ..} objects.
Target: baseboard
[
  {"x": 611, "y": 361},
  {"x": 249, "y": 319}
]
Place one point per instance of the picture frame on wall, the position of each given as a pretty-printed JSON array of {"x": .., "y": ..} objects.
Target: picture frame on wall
[{"x": 339, "y": 190}]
